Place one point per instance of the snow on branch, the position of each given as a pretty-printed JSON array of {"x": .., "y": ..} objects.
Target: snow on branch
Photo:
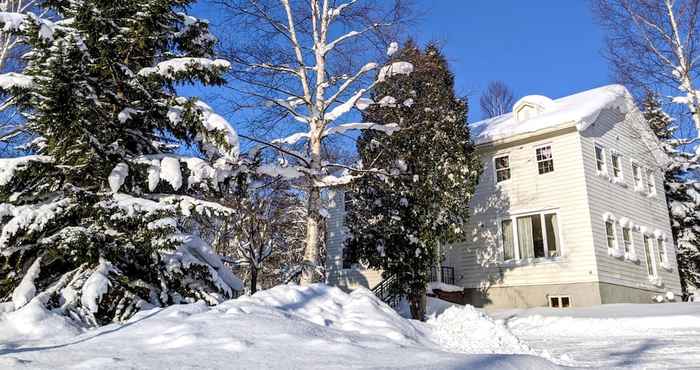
[
  {"x": 8, "y": 166},
  {"x": 396, "y": 68},
  {"x": 14, "y": 80},
  {"x": 289, "y": 172},
  {"x": 169, "y": 69},
  {"x": 387, "y": 129}
]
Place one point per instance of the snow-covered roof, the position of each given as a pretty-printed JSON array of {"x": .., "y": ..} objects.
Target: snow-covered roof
[{"x": 579, "y": 109}]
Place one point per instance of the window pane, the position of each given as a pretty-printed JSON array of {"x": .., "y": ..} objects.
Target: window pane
[
  {"x": 647, "y": 254},
  {"x": 616, "y": 165},
  {"x": 554, "y": 302},
  {"x": 610, "y": 231},
  {"x": 537, "y": 237},
  {"x": 508, "y": 245},
  {"x": 627, "y": 238},
  {"x": 660, "y": 249},
  {"x": 565, "y": 302},
  {"x": 552, "y": 231},
  {"x": 600, "y": 162},
  {"x": 525, "y": 237}
]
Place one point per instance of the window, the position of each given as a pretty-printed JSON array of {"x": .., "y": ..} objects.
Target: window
[
  {"x": 637, "y": 174},
  {"x": 545, "y": 162},
  {"x": 616, "y": 165},
  {"x": 610, "y": 232},
  {"x": 559, "y": 301},
  {"x": 600, "y": 158},
  {"x": 508, "y": 242},
  {"x": 502, "y": 165},
  {"x": 661, "y": 249},
  {"x": 651, "y": 184},
  {"x": 651, "y": 265},
  {"x": 627, "y": 239},
  {"x": 531, "y": 236}
]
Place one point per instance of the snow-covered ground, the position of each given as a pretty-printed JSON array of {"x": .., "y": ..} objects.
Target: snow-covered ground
[
  {"x": 292, "y": 327},
  {"x": 288, "y": 327},
  {"x": 613, "y": 336}
]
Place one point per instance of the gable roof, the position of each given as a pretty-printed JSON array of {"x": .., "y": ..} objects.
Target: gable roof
[{"x": 579, "y": 109}]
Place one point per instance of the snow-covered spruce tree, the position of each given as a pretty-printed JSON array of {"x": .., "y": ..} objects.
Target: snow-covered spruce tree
[
  {"x": 682, "y": 186},
  {"x": 92, "y": 222},
  {"x": 396, "y": 219}
]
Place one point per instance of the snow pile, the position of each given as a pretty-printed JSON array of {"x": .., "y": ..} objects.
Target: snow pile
[
  {"x": 466, "y": 329},
  {"x": 434, "y": 285},
  {"x": 360, "y": 311},
  {"x": 580, "y": 109},
  {"x": 315, "y": 327}
]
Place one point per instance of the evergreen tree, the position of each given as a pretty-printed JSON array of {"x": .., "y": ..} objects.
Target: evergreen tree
[
  {"x": 682, "y": 187},
  {"x": 94, "y": 222},
  {"x": 397, "y": 219}
]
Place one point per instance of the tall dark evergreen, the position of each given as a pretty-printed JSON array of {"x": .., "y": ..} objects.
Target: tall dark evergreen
[
  {"x": 95, "y": 222},
  {"x": 397, "y": 219},
  {"x": 682, "y": 187}
]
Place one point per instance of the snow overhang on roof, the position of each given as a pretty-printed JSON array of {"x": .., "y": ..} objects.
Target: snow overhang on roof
[{"x": 579, "y": 110}]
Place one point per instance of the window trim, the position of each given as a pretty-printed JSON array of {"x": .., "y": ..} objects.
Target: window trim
[
  {"x": 628, "y": 251},
  {"x": 495, "y": 169},
  {"x": 650, "y": 178},
  {"x": 602, "y": 160},
  {"x": 516, "y": 246},
  {"x": 537, "y": 161},
  {"x": 615, "y": 240},
  {"x": 638, "y": 186},
  {"x": 621, "y": 174},
  {"x": 649, "y": 256}
]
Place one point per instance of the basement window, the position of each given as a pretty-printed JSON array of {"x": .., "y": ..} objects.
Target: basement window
[{"x": 556, "y": 301}]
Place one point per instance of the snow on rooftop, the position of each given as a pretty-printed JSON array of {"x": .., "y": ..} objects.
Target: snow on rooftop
[{"x": 579, "y": 109}]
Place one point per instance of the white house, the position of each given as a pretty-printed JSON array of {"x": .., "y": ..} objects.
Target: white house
[{"x": 569, "y": 210}]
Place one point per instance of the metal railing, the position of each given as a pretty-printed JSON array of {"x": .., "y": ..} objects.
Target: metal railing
[
  {"x": 447, "y": 274},
  {"x": 389, "y": 291}
]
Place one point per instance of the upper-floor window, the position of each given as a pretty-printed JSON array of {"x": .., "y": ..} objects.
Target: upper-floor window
[
  {"x": 502, "y": 165},
  {"x": 531, "y": 236},
  {"x": 651, "y": 184},
  {"x": 627, "y": 240},
  {"x": 600, "y": 158},
  {"x": 610, "y": 234},
  {"x": 545, "y": 161},
  {"x": 651, "y": 264},
  {"x": 616, "y": 165},
  {"x": 637, "y": 175}
]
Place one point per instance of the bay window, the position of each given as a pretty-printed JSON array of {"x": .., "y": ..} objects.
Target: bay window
[{"x": 531, "y": 236}]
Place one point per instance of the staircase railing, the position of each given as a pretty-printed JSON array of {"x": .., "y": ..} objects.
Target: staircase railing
[{"x": 389, "y": 291}]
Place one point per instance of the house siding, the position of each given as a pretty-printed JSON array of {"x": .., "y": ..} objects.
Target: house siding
[
  {"x": 626, "y": 134},
  {"x": 477, "y": 260}
]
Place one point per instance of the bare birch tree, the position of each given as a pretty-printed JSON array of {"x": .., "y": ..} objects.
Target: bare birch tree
[
  {"x": 653, "y": 45},
  {"x": 496, "y": 100},
  {"x": 300, "y": 68}
]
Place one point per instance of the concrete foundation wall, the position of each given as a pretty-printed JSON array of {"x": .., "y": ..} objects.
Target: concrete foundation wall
[{"x": 582, "y": 295}]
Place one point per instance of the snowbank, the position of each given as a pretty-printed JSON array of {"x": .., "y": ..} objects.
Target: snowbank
[{"x": 285, "y": 327}]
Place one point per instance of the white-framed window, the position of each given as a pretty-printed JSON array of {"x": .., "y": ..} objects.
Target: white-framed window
[
  {"x": 600, "y": 159},
  {"x": 559, "y": 301},
  {"x": 616, "y": 160},
  {"x": 661, "y": 250},
  {"x": 533, "y": 235},
  {"x": 627, "y": 240},
  {"x": 610, "y": 234},
  {"x": 651, "y": 182},
  {"x": 649, "y": 257},
  {"x": 545, "y": 159},
  {"x": 501, "y": 165},
  {"x": 637, "y": 175}
]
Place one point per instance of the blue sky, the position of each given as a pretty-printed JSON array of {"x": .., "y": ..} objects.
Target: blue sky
[{"x": 547, "y": 47}]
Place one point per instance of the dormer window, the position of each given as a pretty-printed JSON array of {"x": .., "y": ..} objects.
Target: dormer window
[{"x": 531, "y": 106}]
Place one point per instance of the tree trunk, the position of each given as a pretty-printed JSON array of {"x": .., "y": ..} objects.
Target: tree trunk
[
  {"x": 309, "y": 273},
  {"x": 253, "y": 279},
  {"x": 417, "y": 302}
]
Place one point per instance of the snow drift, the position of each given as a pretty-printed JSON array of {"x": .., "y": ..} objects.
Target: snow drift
[{"x": 284, "y": 327}]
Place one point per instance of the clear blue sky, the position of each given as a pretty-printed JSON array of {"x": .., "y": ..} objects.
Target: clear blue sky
[{"x": 547, "y": 47}]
